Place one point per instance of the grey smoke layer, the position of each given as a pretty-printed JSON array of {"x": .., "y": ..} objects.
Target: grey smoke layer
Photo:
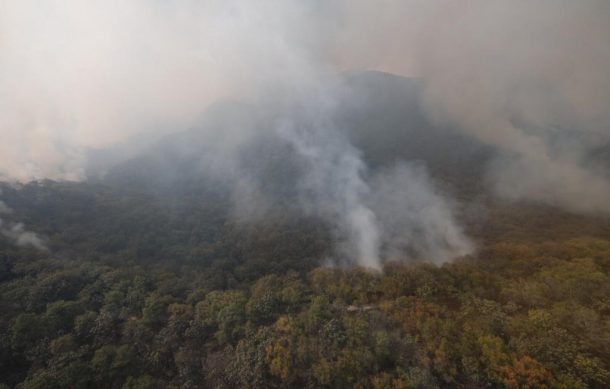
[
  {"x": 532, "y": 79},
  {"x": 528, "y": 78}
]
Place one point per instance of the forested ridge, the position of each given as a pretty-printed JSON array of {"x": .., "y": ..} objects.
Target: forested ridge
[{"x": 117, "y": 307}]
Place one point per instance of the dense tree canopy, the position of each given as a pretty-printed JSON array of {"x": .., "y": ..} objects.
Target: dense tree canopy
[{"x": 141, "y": 289}]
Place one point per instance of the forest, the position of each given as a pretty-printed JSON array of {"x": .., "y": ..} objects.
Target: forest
[{"x": 137, "y": 300}]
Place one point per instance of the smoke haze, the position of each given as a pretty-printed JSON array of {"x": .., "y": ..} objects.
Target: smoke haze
[
  {"x": 529, "y": 79},
  {"x": 16, "y": 232}
]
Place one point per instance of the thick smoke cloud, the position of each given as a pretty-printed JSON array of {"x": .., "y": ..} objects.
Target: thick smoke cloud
[
  {"x": 531, "y": 79},
  {"x": 81, "y": 76},
  {"x": 78, "y": 75},
  {"x": 528, "y": 78}
]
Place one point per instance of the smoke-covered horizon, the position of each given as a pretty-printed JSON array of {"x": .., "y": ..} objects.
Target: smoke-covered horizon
[{"x": 529, "y": 79}]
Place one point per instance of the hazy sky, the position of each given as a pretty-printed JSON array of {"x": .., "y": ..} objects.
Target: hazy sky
[{"x": 76, "y": 74}]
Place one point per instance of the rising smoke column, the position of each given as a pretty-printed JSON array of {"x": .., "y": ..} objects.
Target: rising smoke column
[
  {"x": 416, "y": 221},
  {"x": 333, "y": 184},
  {"x": 396, "y": 213}
]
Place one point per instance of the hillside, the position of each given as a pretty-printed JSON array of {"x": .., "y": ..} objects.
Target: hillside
[{"x": 152, "y": 277}]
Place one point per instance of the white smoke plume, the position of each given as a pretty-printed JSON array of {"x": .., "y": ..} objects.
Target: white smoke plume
[
  {"x": 333, "y": 185},
  {"x": 416, "y": 221},
  {"x": 16, "y": 232}
]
